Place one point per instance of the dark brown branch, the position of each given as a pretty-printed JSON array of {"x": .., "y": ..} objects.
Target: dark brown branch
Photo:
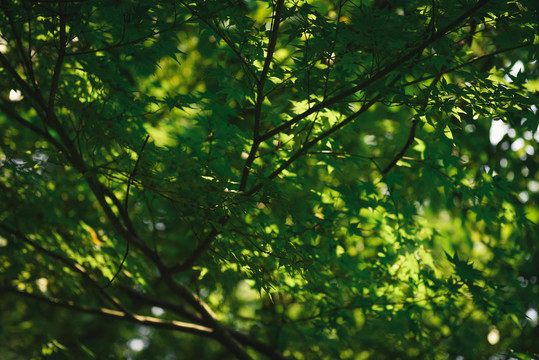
[
  {"x": 314, "y": 141},
  {"x": 30, "y": 66},
  {"x": 265, "y": 70},
  {"x": 134, "y": 172},
  {"x": 164, "y": 304},
  {"x": 411, "y": 136},
  {"x": 27, "y": 90},
  {"x": 331, "y": 51},
  {"x": 45, "y": 135},
  {"x": 243, "y": 338},
  {"x": 26, "y": 62},
  {"x": 248, "y": 163},
  {"x": 198, "y": 304},
  {"x": 109, "y": 313},
  {"x": 413, "y": 129},
  {"x": 59, "y": 62},
  {"x": 203, "y": 246},
  {"x": 406, "y": 146},
  {"x": 471, "y": 61},
  {"x": 378, "y": 76},
  {"x": 260, "y": 94},
  {"x": 129, "y": 181}
]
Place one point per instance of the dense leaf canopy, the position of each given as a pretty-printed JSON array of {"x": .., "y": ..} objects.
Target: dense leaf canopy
[{"x": 319, "y": 179}]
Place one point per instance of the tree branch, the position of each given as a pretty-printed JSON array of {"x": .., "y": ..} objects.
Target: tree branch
[
  {"x": 267, "y": 62},
  {"x": 129, "y": 181},
  {"x": 260, "y": 94},
  {"x": 221, "y": 333},
  {"x": 160, "y": 302},
  {"x": 20, "y": 82},
  {"x": 411, "y": 136},
  {"x": 44, "y": 134},
  {"x": 140, "y": 319},
  {"x": 471, "y": 61},
  {"x": 59, "y": 62},
  {"x": 314, "y": 141},
  {"x": 378, "y": 76},
  {"x": 406, "y": 146},
  {"x": 26, "y": 62},
  {"x": 227, "y": 41},
  {"x": 198, "y": 304},
  {"x": 243, "y": 338},
  {"x": 202, "y": 247},
  {"x": 127, "y": 43}
]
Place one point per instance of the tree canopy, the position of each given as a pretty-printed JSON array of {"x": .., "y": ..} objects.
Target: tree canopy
[{"x": 300, "y": 179}]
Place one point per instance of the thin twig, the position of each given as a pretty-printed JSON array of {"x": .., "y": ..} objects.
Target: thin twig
[
  {"x": 229, "y": 43},
  {"x": 129, "y": 181},
  {"x": 134, "y": 172},
  {"x": 120, "y": 44},
  {"x": 59, "y": 62}
]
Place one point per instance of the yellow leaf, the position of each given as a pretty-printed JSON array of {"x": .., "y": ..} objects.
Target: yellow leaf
[{"x": 93, "y": 234}]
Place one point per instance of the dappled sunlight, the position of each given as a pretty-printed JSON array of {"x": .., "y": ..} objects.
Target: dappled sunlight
[{"x": 278, "y": 179}]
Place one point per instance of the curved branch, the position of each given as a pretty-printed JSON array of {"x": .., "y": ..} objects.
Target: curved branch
[
  {"x": 26, "y": 61},
  {"x": 227, "y": 41},
  {"x": 198, "y": 304},
  {"x": 129, "y": 181},
  {"x": 406, "y": 146},
  {"x": 411, "y": 137},
  {"x": 243, "y": 338},
  {"x": 140, "y": 319},
  {"x": 267, "y": 62}
]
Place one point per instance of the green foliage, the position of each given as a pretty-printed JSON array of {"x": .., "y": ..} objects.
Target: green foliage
[{"x": 314, "y": 179}]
